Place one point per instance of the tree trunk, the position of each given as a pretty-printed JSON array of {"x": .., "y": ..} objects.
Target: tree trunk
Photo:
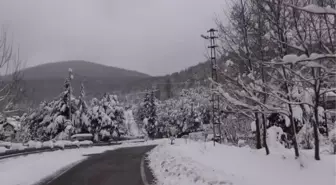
[
  {"x": 325, "y": 115},
  {"x": 296, "y": 148},
  {"x": 265, "y": 134},
  {"x": 316, "y": 136},
  {"x": 295, "y": 144},
  {"x": 258, "y": 140}
]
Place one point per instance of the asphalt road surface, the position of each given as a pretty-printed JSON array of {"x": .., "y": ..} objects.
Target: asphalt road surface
[{"x": 115, "y": 167}]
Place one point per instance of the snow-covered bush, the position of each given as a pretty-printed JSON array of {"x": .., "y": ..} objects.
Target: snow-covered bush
[
  {"x": 273, "y": 138},
  {"x": 48, "y": 144},
  {"x": 332, "y": 139},
  {"x": 197, "y": 136},
  {"x": 34, "y": 144},
  {"x": 241, "y": 143},
  {"x": 305, "y": 137},
  {"x": 60, "y": 144},
  {"x": 17, "y": 146}
]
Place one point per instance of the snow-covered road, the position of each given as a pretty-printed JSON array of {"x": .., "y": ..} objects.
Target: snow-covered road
[
  {"x": 30, "y": 169},
  {"x": 26, "y": 170}
]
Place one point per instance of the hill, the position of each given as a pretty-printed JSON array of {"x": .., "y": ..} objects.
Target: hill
[
  {"x": 173, "y": 83},
  {"x": 44, "y": 82}
]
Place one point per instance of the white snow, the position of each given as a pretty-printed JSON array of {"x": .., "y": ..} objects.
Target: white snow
[
  {"x": 48, "y": 144},
  {"x": 241, "y": 142},
  {"x": 228, "y": 63},
  {"x": 332, "y": 136},
  {"x": 3, "y": 149},
  {"x": 81, "y": 135},
  {"x": 297, "y": 113},
  {"x": 253, "y": 126},
  {"x": 60, "y": 144},
  {"x": 17, "y": 146},
  {"x": 202, "y": 164},
  {"x": 5, "y": 144},
  {"x": 273, "y": 137},
  {"x": 34, "y": 144},
  {"x": 131, "y": 125},
  {"x": 318, "y": 9},
  {"x": 85, "y": 143},
  {"x": 287, "y": 121}
]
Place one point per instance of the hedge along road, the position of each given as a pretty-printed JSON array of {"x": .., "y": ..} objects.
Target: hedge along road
[{"x": 124, "y": 166}]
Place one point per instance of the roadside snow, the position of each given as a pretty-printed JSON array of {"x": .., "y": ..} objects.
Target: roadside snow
[
  {"x": 34, "y": 144},
  {"x": 85, "y": 143},
  {"x": 202, "y": 164},
  {"x": 48, "y": 144},
  {"x": 17, "y": 146},
  {"x": 3, "y": 149}
]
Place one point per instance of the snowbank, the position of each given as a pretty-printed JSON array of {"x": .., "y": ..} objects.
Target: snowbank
[
  {"x": 60, "y": 143},
  {"x": 5, "y": 144},
  {"x": 202, "y": 163},
  {"x": 17, "y": 146},
  {"x": 34, "y": 144},
  {"x": 3, "y": 149},
  {"x": 85, "y": 143},
  {"x": 48, "y": 144}
]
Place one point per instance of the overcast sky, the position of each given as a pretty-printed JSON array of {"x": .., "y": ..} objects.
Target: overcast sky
[{"x": 152, "y": 36}]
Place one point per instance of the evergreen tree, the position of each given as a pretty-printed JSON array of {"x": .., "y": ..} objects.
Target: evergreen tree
[
  {"x": 149, "y": 113},
  {"x": 81, "y": 120},
  {"x": 51, "y": 120}
]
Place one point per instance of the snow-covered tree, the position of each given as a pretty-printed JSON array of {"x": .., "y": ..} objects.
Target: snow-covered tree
[
  {"x": 106, "y": 117},
  {"x": 81, "y": 117},
  {"x": 332, "y": 139},
  {"x": 51, "y": 120},
  {"x": 149, "y": 110},
  {"x": 280, "y": 49},
  {"x": 131, "y": 125}
]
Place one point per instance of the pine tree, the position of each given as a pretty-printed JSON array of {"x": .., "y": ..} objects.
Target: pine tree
[
  {"x": 149, "y": 113},
  {"x": 82, "y": 122},
  {"x": 51, "y": 120}
]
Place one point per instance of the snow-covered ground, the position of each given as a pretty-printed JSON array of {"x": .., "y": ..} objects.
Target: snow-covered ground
[
  {"x": 30, "y": 169},
  {"x": 202, "y": 163}
]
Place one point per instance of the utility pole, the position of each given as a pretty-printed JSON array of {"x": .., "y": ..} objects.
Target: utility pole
[
  {"x": 69, "y": 91},
  {"x": 214, "y": 97}
]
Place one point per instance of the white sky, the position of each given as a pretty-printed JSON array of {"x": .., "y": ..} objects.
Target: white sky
[{"x": 152, "y": 36}]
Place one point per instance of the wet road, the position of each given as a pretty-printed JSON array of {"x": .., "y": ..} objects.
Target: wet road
[{"x": 116, "y": 167}]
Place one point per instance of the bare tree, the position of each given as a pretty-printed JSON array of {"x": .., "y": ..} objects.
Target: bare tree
[{"x": 10, "y": 65}]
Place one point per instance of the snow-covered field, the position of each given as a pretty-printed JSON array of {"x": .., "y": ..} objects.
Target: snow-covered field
[
  {"x": 30, "y": 169},
  {"x": 199, "y": 164}
]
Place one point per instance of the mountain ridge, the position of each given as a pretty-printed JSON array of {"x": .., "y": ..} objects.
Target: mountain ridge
[
  {"x": 80, "y": 67},
  {"x": 44, "y": 82}
]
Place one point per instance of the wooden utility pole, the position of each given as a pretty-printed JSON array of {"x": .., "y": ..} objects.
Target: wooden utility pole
[{"x": 214, "y": 97}]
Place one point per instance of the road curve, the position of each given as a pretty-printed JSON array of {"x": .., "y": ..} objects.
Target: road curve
[{"x": 117, "y": 167}]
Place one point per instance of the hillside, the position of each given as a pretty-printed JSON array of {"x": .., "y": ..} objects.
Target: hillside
[
  {"x": 193, "y": 76},
  {"x": 44, "y": 82}
]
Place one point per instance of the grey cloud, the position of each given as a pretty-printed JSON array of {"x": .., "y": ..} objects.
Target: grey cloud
[{"x": 152, "y": 36}]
